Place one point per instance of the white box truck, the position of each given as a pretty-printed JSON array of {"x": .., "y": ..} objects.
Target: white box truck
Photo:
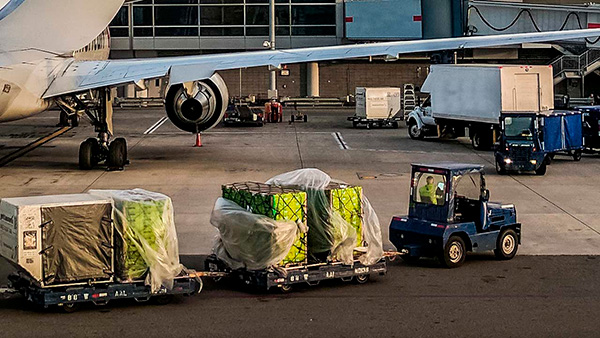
[
  {"x": 377, "y": 107},
  {"x": 59, "y": 240},
  {"x": 466, "y": 100}
]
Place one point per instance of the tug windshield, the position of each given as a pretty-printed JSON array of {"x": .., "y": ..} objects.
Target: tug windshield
[
  {"x": 429, "y": 188},
  {"x": 519, "y": 128}
]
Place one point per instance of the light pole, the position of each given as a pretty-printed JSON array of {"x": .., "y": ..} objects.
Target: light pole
[{"x": 273, "y": 78}]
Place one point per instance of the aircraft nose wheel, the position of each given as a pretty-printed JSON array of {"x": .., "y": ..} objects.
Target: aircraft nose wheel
[{"x": 91, "y": 153}]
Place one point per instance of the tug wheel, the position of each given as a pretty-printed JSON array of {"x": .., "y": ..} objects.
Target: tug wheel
[
  {"x": 454, "y": 253},
  {"x": 507, "y": 245}
]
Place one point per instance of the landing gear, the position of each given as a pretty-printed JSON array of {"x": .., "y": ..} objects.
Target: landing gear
[{"x": 97, "y": 105}]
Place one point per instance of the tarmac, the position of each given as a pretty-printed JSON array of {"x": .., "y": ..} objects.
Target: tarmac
[{"x": 559, "y": 211}]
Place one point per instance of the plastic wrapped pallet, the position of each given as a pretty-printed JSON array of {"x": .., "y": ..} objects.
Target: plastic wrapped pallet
[
  {"x": 280, "y": 204},
  {"x": 145, "y": 237},
  {"x": 252, "y": 241},
  {"x": 340, "y": 217}
]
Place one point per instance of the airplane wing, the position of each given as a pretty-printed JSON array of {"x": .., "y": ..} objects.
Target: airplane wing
[{"x": 84, "y": 75}]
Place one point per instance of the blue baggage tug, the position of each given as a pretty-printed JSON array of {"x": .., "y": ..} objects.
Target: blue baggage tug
[
  {"x": 530, "y": 140},
  {"x": 449, "y": 215}
]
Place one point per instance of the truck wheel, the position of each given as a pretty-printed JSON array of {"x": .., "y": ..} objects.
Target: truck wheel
[
  {"x": 577, "y": 155},
  {"x": 507, "y": 245},
  {"x": 395, "y": 125},
  {"x": 414, "y": 131},
  {"x": 454, "y": 253},
  {"x": 500, "y": 168},
  {"x": 541, "y": 170},
  {"x": 477, "y": 142}
]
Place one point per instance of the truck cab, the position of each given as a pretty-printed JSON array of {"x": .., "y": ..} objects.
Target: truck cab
[
  {"x": 450, "y": 214},
  {"x": 520, "y": 147}
]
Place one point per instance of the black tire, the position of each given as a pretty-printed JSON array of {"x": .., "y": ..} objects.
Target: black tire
[
  {"x": 410, "y": 259},
  {"x": 477, "y": 142},
  {"x": 117, "y": 154},
  {"x": 507, "y": 245},
  {"x": 286, "y": 288},
  {"x": 305, "y": 118},
  {"x": 414, "y": 131},
  {"x": 548, "y": 159},
  {"x": 71, "y": 307},
  {"x": 354, "y": 124},
  {"x": 292, "y": 118},
  {"x": 362, "y": 279},
  {"x": 500, "y": 169},
  {"x": 163, "y": 299},
  {"x": 74, "y": 120},
  {"x": 395, "y": 125},
  {"x": 86, "y": 155},
  {"x": 455, "y": 252},
  {"x": 577, "y": 155},
  {"x": 541, "y": 170}
]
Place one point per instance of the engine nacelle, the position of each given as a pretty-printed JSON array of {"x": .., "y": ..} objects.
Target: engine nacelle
[{"x": 199, "y": 105}]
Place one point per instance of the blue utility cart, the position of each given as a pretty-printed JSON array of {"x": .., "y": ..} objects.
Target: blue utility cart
[
  {"x": 591, "y": 128},
  {"x": 449, "y": 215},
  {"x": 530, "y": 140}
]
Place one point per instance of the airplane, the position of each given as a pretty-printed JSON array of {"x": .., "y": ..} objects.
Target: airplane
[{"x": 39, "y": 68}]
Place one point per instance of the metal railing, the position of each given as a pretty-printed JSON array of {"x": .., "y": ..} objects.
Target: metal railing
[{"x": 576, "y": 63}]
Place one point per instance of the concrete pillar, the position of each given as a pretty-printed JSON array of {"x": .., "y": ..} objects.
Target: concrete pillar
[{"x": 312, "y": 79}]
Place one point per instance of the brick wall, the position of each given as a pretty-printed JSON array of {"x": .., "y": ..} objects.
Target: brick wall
[{"x": 336, "y": 79}]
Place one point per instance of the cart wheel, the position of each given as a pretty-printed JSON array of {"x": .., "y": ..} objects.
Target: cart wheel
[
  {"x": 395, "y": 125},
  {"x": 286, "y": 288},
  {"x": 454, "y": 252},
  {"x": 354, "y": 124},
  {"x": 369, "y": 125},
  {"x": 292, "y": 118},
  {"x": 361, "y": 279},
  {"x": 164, "y": 299},
  {"x": 507, "y": 245},
  {"x": 305, "y": 118},
  {"x": 577, "y": 155},
  {"x": 71, "y": 307}
]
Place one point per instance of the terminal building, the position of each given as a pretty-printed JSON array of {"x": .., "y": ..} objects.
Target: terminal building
[{"x": 151, "y": 28}]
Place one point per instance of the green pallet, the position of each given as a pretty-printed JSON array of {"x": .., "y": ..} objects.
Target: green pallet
[
  {"x": 276, "y": 203},
  {"x": 347, "y": 200}
]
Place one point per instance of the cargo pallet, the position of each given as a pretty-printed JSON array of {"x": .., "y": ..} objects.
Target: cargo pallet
[
  {"x": 284, "y": 278},
  {"x": 370, "y": 123},
  {"x": 71, "y": 297}
]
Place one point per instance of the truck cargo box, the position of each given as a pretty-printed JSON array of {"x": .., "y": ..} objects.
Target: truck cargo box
[
  {"x": 66, "y": 239},
  {"x": 478, "y": 93},
  {"x": 377, "y": 103}
]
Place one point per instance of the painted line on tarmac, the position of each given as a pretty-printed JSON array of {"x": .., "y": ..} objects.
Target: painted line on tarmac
[
  {"x": 340, "y": 141},
  {"x": 155, "y": 126}
]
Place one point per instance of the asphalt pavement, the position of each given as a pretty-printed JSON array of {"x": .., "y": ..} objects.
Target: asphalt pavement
[{"x": 529, "y": 296}]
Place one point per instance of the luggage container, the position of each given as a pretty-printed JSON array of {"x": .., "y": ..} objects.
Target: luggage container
[
  {"x": 276, "y": 203},
  {"x": 377, "y": 107},
  {"x": 59, "y": 240},
  {"x": 591, "y": 128}
]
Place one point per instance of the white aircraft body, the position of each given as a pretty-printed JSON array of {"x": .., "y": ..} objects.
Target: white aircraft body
[{"x": 39, "y": 68}]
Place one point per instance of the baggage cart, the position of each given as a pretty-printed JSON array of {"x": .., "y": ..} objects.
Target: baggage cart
[{"x": 284, "y": 278}]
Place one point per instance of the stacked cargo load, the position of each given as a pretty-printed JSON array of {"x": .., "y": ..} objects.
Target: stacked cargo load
[
  {"x": 146, "y": 244},
  {"x": 59, "y": 240},
  {"x": 279, "y": 204},
  {"x": 342, "y": 226}
]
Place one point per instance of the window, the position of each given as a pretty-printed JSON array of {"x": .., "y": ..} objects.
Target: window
[
  {"x": 429, "y": 188},
  {"x": 176, "y": 15},
  {"x": 519, "y": 128},
  {"x": 469, "y": 186},
  {"x": 313, "y": 15},
  {"x": 222, "y": 15},
  {"x": 142, "y": 16},
  {"x": 122, "y": 18}
]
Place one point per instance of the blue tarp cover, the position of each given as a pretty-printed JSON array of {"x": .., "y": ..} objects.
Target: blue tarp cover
[{"x": 562, "y": 132}]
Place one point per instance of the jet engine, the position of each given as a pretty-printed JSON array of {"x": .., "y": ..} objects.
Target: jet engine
[{"x": 199, "y": 105}]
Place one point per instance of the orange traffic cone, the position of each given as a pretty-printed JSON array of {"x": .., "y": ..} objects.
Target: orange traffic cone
[{"x": 198, "y": 140}]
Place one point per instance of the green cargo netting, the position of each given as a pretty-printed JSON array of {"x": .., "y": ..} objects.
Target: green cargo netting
[
  {"x": 145, "y": 236},
  {"x": 276, "y": 203}
]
